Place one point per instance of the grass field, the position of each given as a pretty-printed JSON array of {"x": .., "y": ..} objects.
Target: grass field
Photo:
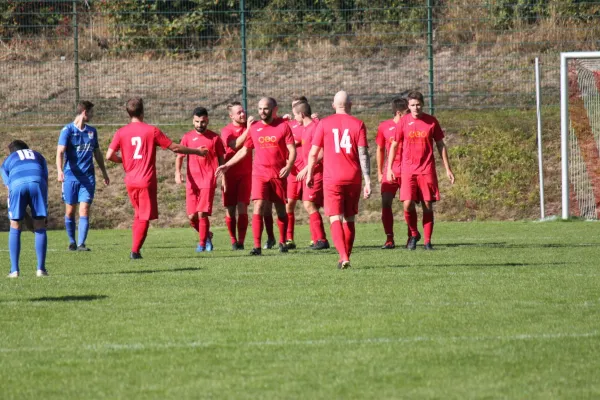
[{"x": 500, "y": 310}]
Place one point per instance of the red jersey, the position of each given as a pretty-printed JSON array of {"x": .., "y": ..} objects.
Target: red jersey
[
  {"x": 340, "y": 136},
  {"x": 307, "y": 136},
  {"x": 297, "y": 129},
  {"x": 386, "y": 133},
  {"x": 137, "y": 142},
  {"x": 417, "y": 137},
  {"x": 270, "y": 144},
  {"x": 244, "y": 167},
  {"x": 201, "y": 170}
]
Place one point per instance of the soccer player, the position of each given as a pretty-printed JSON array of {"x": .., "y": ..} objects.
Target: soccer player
[
  {"x": 75, "y": 153},
  {"x": 312, "y": 197},
  {"x": 294, "y": 186},
  {"x": 137, "y": 143},
  {"x": 273, "y": 142},
  {"x": 343, "y": 139},
  {"x": 238, "y": 180},
  {"x": 25, "y": 173},
  {"x": 200, "y": 176},
  {"x": 385, "y": 136},
  {"x": 416, "y": 133}
]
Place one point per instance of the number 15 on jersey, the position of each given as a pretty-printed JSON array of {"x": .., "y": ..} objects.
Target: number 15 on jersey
[{"x": 343, "y": 142}]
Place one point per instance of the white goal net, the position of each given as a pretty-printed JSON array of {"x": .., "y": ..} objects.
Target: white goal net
[{"x": 580, "y": 129}]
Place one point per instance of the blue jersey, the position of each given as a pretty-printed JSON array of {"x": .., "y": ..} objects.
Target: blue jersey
[
  {"x": 24, "y": 166},
  {"x": 79, "y": 151}
]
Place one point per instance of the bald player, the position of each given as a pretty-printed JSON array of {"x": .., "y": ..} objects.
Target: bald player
[
  {"x": 274, "y": 156},
  {"x": 343, "y": 139}
]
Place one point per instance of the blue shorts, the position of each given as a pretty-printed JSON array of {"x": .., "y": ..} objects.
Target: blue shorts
[
  {"x": 74, "y": 192},
  {"x": 32, "y": 194}
]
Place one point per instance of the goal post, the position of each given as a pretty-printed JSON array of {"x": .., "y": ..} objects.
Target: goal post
[{"x": 580, "y": 133}]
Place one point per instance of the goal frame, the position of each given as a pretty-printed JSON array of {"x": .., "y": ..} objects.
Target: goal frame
[{"x": 564, "y": 120}]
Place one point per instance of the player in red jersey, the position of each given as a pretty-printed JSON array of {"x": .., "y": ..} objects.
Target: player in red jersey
[
  {"x": 137, "y": 143},
  {"x": 385, "y": 136},
  {"x": 273, "y": 142},
  {"x": 238, "y": 180},
  {"x": 417, "y": 133},
  {"x": 200, "y": 176},
  {"x": 343, "y": 139},
  {"x": 312, "y": 197}
]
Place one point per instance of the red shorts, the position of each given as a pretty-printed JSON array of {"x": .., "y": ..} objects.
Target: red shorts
[
  {"x": 144, "y": 202},
  {"x": 273, "y": 190},
  {"x": 294, "y": 188},
  {"x": 342, "y": 199},
  {"x": 238, "y": 190},
  {"x": 199, "y": 200},
  {"x": 419, "y": 188},
  {"x": 314, "y": 194},
  {"x": 390, "y": 187}
]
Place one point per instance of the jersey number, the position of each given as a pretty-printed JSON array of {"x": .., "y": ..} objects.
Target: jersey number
[
  {"x": 344, "y": 142},
  {"x": 137, "y": 142},
  {"x": 26, "y": 154}
]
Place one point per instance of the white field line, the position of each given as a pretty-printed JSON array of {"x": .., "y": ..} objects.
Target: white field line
[{"x": 106, "y": 347}]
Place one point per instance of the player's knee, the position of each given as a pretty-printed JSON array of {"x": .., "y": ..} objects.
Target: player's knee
[
  {"x": 309, "y": 206},
  {"x": 39, "y": 223}
]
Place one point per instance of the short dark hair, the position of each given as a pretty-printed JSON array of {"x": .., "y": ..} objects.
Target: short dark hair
[
  {"x": 233, "y": 104},
  {"x": 84, "y": 105},
  {"x": 303, "y": 107},
  {"x": 414, "y": 95},
  {"x": 135, "y": 107},
  {"x": 200, "y": 112},
  {"x": 16, "y": 145},
  {"x": 399, "y": 104},
  {"x": 300, "y": 98},
  {"x": 272, "y": 101}
]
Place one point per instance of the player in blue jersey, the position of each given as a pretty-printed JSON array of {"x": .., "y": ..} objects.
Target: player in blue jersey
[
  {"x": 75, "y": 153},
  {"x": 25, "y": 173}
]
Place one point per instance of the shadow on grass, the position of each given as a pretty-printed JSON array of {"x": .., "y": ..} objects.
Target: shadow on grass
[
  {"x": 491, "y": 265},
  {"x": 90, "y": 297},
  {"x": 145, "y": 271}
]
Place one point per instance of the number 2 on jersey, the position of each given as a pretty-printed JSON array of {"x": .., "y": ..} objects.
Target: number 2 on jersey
[
  {"x": 137, "y": 142},
  {"x": 344, "y": 142}
]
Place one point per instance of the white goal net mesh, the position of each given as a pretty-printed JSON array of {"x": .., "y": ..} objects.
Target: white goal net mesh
[{"x": 584, "y": 138}]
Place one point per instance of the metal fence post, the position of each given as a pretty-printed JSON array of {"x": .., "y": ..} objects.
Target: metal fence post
[
  {"x": 76, "y": 51},
  {"x": 430, "y": 54},
  {"x": 243, "y": 37}
]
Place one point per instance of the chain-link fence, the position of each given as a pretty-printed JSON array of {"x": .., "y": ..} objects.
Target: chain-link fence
[{"x": 179, "y": 54}]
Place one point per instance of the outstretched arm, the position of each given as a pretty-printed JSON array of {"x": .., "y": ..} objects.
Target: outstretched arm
[
  {"x": 179, "y": 149},
  {"x": 365, "y": 166},
  {"x": 111, "y": 155},
  {"x": 234, "y": 160},
  {"x": 441, "y": 146}
]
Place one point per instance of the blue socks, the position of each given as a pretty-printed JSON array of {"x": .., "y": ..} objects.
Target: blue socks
[
  {"x": 70, "y": 227},
  {"x": 41, "y": 246},
  {"x": 14, "y": 248},
  {"x": 83, "y": 229}
]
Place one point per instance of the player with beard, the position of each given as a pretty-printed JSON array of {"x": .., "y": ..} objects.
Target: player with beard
[{"x": 274, "y": 156}]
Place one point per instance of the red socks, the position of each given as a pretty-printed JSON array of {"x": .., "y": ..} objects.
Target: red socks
[
  {"x": 411, "y": 220},
  {"x": 257, "y": 229},
  {"x": 282, "y": 224},
  {"x": 337, "y": 234},
  {"x": 139, "y": 232},
  {"x": 291, "y": 217},
  {"x": 204, "y": 225},
  {"x": 194, "y": 223},
  {"x": 268, "y": 226},
  {"x": 387, "y": 218},
  {"x": 230, "y": 222},
  {"x": 242, "y": 226},
  {"x": 427, "y": 226},
  {"x": 349, "y": 234},
  {"x": 317, "y": 229}
]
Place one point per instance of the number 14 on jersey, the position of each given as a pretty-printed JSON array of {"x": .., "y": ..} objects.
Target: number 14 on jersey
[{"x": 343, "y": 142}]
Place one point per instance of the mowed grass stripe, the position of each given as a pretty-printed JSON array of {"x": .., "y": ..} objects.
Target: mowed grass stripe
[{"x": 499, "y": 310}]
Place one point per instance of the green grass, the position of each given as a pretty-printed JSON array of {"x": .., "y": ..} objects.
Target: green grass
[{"x": 500, "y": 310}]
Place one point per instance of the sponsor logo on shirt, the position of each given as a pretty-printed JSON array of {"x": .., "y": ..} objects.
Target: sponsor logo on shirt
[
  {"x": 267, "y": 141},
  {"x": 393, "y": 127},
  {"x": 259, "y": 129},
  {"x": 417, "y": 134},
  {"x": 90, "y": 135},
  {"x": 410, "y": 123},
  {"x": 194, "y": 139}
]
